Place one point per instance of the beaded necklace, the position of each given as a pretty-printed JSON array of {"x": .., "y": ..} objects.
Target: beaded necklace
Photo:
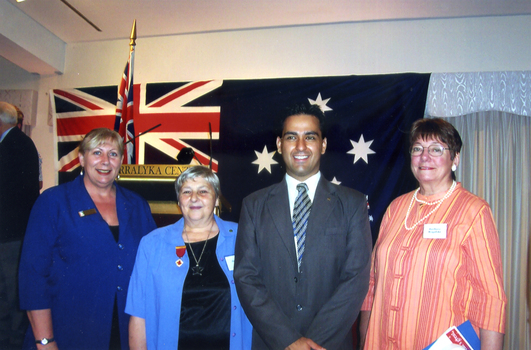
[{"x": 438, "y": 202}]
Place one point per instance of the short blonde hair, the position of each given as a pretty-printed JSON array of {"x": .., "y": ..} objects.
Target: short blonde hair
[{"x": 98, "y": 136}]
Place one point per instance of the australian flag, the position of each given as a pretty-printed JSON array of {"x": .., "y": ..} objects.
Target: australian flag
[{"x": 233, "y": 125}]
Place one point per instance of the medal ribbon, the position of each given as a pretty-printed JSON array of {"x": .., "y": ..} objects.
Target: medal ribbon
[{"x": 180, "y": 250}]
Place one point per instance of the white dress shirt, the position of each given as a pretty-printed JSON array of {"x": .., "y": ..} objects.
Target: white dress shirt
[{"x": 311, "y": 182}]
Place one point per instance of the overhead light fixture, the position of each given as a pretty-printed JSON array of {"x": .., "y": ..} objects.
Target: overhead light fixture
[{"x": 21, "y": 0}]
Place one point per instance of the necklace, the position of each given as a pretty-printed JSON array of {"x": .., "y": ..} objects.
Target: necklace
[
  {"x": 439, "y": 202},
  {"x": 197, "y": 270}
]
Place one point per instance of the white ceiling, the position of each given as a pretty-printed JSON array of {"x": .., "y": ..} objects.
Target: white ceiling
[
  {"x": 33, "y": 33},
  {"x": 166, "y": 17}
]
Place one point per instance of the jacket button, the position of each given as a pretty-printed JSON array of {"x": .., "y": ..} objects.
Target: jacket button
[
  {"x": 120, "y": 267},
  {"x": 295, "y": 279},
  {"x": 299, "y": 307},
  {"x": 121, "y": 246},
  {"x": 119, "y": 288}
]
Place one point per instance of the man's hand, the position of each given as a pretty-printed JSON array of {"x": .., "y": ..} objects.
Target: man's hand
[{"x": 304, "y": 344}]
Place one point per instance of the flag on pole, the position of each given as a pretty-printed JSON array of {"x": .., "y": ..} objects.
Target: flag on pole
[{"x": 124, "y": 107}]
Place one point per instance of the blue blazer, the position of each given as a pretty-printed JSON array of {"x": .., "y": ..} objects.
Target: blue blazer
[{"x": 72, "y": 265}]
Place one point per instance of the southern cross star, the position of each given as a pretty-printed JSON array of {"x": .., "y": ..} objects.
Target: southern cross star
[
  {"x": 361, "y": 149},
  {"x": 321, "y": 103},
  {"x": 264, "y": 160}
]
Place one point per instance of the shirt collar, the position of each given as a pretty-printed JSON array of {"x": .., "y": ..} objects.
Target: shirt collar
[
  {"x": 5, "y": 134},
  {"x": 292, "y": 183}
]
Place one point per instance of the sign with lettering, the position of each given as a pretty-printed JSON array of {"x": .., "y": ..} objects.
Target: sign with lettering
[{"x": 141, "y": 172}]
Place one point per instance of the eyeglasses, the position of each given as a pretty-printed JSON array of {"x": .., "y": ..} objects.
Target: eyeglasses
[{"x": 433, "y": 150}]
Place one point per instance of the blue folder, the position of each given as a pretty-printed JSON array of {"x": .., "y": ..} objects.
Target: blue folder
[{"x": 470, "y": 335}]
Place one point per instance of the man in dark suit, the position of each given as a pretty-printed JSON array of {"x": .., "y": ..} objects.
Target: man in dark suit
[
  {"x": 19, "y": 188},
  {"x": 302, "y": 278}
]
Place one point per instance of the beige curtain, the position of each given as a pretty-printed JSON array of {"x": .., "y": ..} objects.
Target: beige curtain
[{"x": 496, "y": 165}]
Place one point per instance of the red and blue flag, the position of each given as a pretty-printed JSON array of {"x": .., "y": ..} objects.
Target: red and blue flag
[{"x": 368, "y": 119}]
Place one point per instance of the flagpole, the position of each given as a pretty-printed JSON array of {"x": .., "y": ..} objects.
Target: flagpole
[
  {"x": 132, "y": 44},
  {"x": 124, "y": 121}
]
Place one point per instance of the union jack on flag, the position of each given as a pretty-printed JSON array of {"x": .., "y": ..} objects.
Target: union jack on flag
[
  {"x": 124, "y": 109},
  {"x": 77, "y": 111}
]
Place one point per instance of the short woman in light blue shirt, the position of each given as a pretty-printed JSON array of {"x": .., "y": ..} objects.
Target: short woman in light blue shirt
[{"x": 182, "y": 293}]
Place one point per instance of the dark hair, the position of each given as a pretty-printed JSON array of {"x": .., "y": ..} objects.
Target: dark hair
[
  {"x": 307, "y": 109},
  {"x": 437, "y": 129}
]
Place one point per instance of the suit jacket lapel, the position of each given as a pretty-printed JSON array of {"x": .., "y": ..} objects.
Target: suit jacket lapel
[
  {"x": 123, "y": 208},
  {"x": 278, "y": 206},
  {"x": 81, "y": 201},
  {"x": 323, "y": 202}
]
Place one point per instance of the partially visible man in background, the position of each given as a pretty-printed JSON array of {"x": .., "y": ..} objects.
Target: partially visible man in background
[
  {"x": 19, "y": 188},
  {"x": 20, "y": 125}
]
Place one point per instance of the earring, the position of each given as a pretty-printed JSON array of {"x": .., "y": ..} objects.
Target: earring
[
  {"x": 454, "y": 167},
  {"x": 81, "y": 173}
]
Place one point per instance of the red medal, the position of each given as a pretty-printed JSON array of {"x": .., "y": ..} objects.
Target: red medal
[{"x": 180, "y": 253}]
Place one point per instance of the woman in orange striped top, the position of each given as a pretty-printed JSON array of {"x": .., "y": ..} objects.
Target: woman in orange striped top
[{"x": 436, "y": 262}]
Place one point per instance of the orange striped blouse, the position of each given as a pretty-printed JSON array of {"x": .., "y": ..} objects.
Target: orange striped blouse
[{"x": 420, "y": 287}]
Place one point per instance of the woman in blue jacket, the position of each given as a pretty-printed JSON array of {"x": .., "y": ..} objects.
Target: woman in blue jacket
[
  {"x": 182, "y": 294},
  {"x": 79, "y": 251}
]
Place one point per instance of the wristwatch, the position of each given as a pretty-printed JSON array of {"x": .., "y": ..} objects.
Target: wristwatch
[{"x": 44, "y": 341}]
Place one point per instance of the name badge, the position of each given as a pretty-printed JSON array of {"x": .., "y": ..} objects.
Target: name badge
[
  {"x": 88, "y": 212},
  {"x": 230, "y": 262},
  {"x": 435, "y": 231}
]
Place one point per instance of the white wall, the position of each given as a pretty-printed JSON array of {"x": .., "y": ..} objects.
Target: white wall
[{"x": 445, "y": 45}]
